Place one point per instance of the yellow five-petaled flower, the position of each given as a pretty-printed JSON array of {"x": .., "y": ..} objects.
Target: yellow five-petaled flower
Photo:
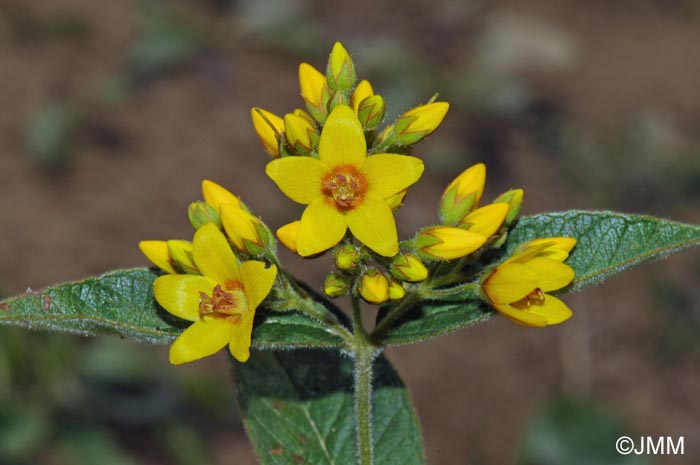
[
  {"x": 345, "y": 188},
  {"x": 221, "y": 302},
  {"x": 518, "y": 287}
]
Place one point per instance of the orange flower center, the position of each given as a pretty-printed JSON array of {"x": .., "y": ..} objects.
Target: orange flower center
[
  {"x": 224, "y": 303},
  {"x": 535, "y": 297},
  {"x": 345, "y": 187}
]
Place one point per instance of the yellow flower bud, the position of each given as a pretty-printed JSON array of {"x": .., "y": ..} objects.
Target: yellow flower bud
[
  {"x": 314, "y": 91},
  {"x": 269, "y": 128},
  {"x": 419, "y": 122},
  {"x": 181, "y": 253},
  {"x": 408, "y": 267},
  {"x": 300, "y": 134},
  {"x": 463, "y": 194},
  {"x": 371, "y": 112},
  {"x": 337, "y": 99},
  {"x": 396, "y": 290},
  {"x": 347, "y": 257},
  {"x": 336, "y": 285},
  {"x": 361, "y": 92},
  {"x": 514, "y": 199},
  {"x": 215, "y": 195},
  {"x": 486, "y": 220},
  {"x": 201, "y": 213},
  {"x": 447, "y": 243},
  {"x": 287, "y": 235},
  {"x": 246, "y": 231},
  {"x": 301, "y": 113},
  {"x": 340, "y": 73},
  {"x": 374, "y": 287},
  {"x": 157, "y": 253}
]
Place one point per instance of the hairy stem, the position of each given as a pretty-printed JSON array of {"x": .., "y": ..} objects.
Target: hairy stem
[
  {"x": 363, "y": 356},
  {"x": 395, "y": 313}
]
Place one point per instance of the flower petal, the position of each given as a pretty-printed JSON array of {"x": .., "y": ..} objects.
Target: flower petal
[
  {"x": 179, "y": 294},
  {"x": 373, "y": 224},
  {"x": 486, "y": 220},
  {"x": 298, "y": 177},
  {"x": 203, "y": 338},
  {"x": 215, "y": 195},
  {"x": 342, "y": 139},
  {"x": 213, "y": 255},
  {"x": 157, "y": 253},
  {"x": 388, "y": 173},
  {"x": 552, "y": 274},
  {"x": 239, "y": 343},
  {"x": 553, "y": 310},
  {"x": 510, "y": 283},
  {"x": 257, "y": 281},
  {"x": 322, "y": 227},
  {"x": 521, "y": 317}
]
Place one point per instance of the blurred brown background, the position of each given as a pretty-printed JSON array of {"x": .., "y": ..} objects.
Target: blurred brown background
[{"x": 111, "y": 114}]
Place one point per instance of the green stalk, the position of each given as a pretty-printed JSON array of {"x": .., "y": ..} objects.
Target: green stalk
[{"x": 364, "y": 352}]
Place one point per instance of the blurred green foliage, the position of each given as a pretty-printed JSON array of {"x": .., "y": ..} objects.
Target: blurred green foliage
[{"x": 574, "y": 432}]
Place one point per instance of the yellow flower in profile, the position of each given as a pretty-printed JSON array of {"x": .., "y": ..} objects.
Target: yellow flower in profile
[
  {"x": 518, "y": 287},
  {"x": 270, "y": 128},
  {"x": 221, "y": 302},
  {"x": 447, "y": 243},
  {"x": 287, "y": 235},
  {"x": 345, "y": 188},
  {"x": 216, "y": 196}
]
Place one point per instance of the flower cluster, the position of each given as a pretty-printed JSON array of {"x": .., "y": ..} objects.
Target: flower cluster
[
  {"x": 351, "y": 176},
  {"x": 208, "y": 283}
]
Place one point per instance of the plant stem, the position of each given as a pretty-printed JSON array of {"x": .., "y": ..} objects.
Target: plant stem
[
  {"x": 406, "y": 303},
  {"x": 364, "y": 352}
]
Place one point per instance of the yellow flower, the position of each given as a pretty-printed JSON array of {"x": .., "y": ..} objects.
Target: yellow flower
[
  {"x": 514, "y": 199},
  {"x": 345, "y": 188},
  {"x": 361, "y": 92},
  {"x": 447, "y": 243},
  {"x": 517, "y": 287},
  {"x": 409, "y": 268},
  {"x": 300, "y": 134},
  {"x": 246, "y": 231},
  {"x": 221, "y": 302},
  {"x": 341, "y": 70},
  {"x": 269, "y": 128}
]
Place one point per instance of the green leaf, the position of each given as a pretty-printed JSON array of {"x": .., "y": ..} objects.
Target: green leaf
[
  {"x": 298, "y": 408},
  {"x": 121, "y": 302},
  {"x": 608, "y": 243}
]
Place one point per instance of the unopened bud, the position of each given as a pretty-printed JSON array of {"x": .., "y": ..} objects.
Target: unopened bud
[
  {"x": 514, "y": 199},
  {"x": 246, "y": 231},
  {"x": 201, "y": 213},
  {"x": 420, "y": 122},
  {"x": 157, "y": 253},
  {"x": 336, "y": 285},
  {"x": 408, "y": 267},
  {"x": 371, "y": 112},
  {"x": 340, "y": 72},
  {"x": 181, "y": 253},
  {"x": 463, "y": 194},
  {"x": 361, "y": 92},
  {"x": 374, "y": 287},
  {"x": 216, "y": 196},
  {"x": 300, "y": 134},
  {"x": 314, "y": 91},
  {"x": 486, "y": 220},
  {"x": 347, "y": 258},
  {"x": 447, "y": 243},
  {"x": 396, "y": 290},
  {"x": 337, "y": 99},
  {"x": 269, "y": 128}
]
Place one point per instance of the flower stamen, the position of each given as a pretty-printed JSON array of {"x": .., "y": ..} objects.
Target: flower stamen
[
  {"x": 222, "y": 303},
  {"x": 345, "y": 186}
]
